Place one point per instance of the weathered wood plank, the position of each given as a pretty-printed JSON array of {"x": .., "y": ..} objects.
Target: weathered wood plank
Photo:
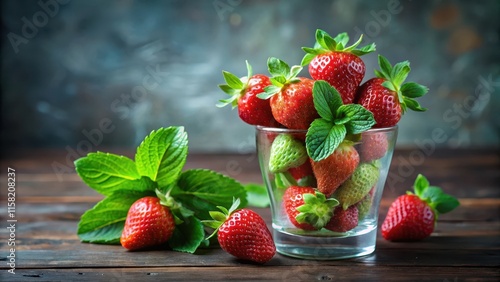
[{"x": 307, "y": 272}]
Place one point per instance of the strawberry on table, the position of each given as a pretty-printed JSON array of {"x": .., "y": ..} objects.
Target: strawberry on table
[
  {"x": 243, "y": 94},
  {"x": 338, "y": 64},
  {"x": 331, "y": 172},
  {"x": 290, "y": 96},
  {"x": 306, "y": 208},
  {"x": 148, "y": 224},
  {"x": 386, "y": 96},
  {"x": 242, "y": 233},
  {"x": 413, "y": 217}
]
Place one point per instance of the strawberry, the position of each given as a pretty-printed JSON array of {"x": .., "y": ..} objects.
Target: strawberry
[
  {"x": 358, "y": 185},
  {"x": 386, "y": 96},
  {"x": 306, "y": 208},
  {"x": 364, "y": 206},
  {"x": 373, "y": 147},
  {"x": 331, "y": 60},
  {"x": 412, "y": 217},
  {"x": 290, "y": 96},
  {"x": 343, "y": 220},
  {"x": 243, "y": 94},
  {"x": 242, "y": 233},
  {"x": 303, "y": 175},
  {"x": 148, "y": 224},
  {"x": 286, "y": 152},
  {"x": 332, "y": 171}
]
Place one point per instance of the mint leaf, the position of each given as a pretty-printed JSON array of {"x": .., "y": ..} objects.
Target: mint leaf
[
  {"x": 326, "y": 99},
  {"x": 187, "y": 236},
  {"x": 257, "y": 195},
  {"x": 107, "y": 173},
  {"x": 109, "y": 234},
  {"x": 202, "y": 190},
  {"x": 323, "y": 138},
  {"x": 162, "y": 155},
  {"x": 104, "y": 222},
  {"x": 359, "y": 119}
]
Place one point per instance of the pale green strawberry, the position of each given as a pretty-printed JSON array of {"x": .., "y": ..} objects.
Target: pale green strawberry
[
  {"x": 358, "y": 185},
  {"x": 286, "y": 152},
  {"x": 364, "y": 206}
]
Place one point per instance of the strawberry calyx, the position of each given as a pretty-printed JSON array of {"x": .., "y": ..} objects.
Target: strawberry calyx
[
  {"x": 235, "y": 87},
  {"x": 395, "y": 77},
  {"x": 219, "y": 217},
  {"x": 282, "y": 75},
  {"x": 434, "y": 196},
  {"x": 317, "y": 210},
  {"x": 176, "y": 208},
  {"x": 326, "y": 44}
]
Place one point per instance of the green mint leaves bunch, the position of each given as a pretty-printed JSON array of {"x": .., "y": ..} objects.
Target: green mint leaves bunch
[
  {"x": 337, "y": 121},
  {"x": 156, "y": 171}
]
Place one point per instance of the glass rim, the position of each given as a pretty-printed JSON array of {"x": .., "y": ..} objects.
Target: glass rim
[{"x": 287, "y": 130}]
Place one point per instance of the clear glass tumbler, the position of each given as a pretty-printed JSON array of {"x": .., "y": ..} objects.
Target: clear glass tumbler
[{"x": 375, "y": 149}]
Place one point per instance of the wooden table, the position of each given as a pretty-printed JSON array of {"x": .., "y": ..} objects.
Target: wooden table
[{"x": 464, "y": 246}]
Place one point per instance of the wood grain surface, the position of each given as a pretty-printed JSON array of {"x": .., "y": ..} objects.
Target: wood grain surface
[{"x": 464, "y": 247}]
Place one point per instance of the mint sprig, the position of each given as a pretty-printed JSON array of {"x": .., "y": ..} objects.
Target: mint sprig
[
  {"x": 157, "y": 170},
  {"x": 335, "y": 123}
]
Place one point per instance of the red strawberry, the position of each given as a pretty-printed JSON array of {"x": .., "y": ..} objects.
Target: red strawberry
[
  {"x": 336, "y": 168},
  {"x": 343, "y": 220},
  {"x": 243, "y": 92},
  {"x": 413, "y": 216},
  {"x": 242, "y": 233},
  {"x": 301, "y": 171},
  {"x": 306, "y": 208},
  {"x": 386, "y": 96},
  {"x": 331, "y": 60},
  {"x": 373, "y": 146},
  {"x": 290, "y": 96},
  {"x": 148, "y": 224}
]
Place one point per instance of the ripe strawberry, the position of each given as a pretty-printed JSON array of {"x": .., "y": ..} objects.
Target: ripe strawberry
[
  {"x": 386, "y": 96},
  {"x": 358, "y": 185},
  {"x": 343, "y": 220},
  {"x": 243, "y": 92},
  {"x": 373, "y": 146},
  {"x": 148, "y": 224},
  {"x": 336, "y": 168},
  {"x": 412, "y": 217},
  {"x": 303, "y": 175},
  {"x": 242, "y": 233},
  {"x": 290, "y": 96},
  {"x": 306, "y": 208},
  {"x": 286, "y": 152},
  {"x": 331, "y": 60}
]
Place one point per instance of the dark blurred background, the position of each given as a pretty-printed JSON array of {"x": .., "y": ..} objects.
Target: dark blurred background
[{"x": 106, "y": 73}]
